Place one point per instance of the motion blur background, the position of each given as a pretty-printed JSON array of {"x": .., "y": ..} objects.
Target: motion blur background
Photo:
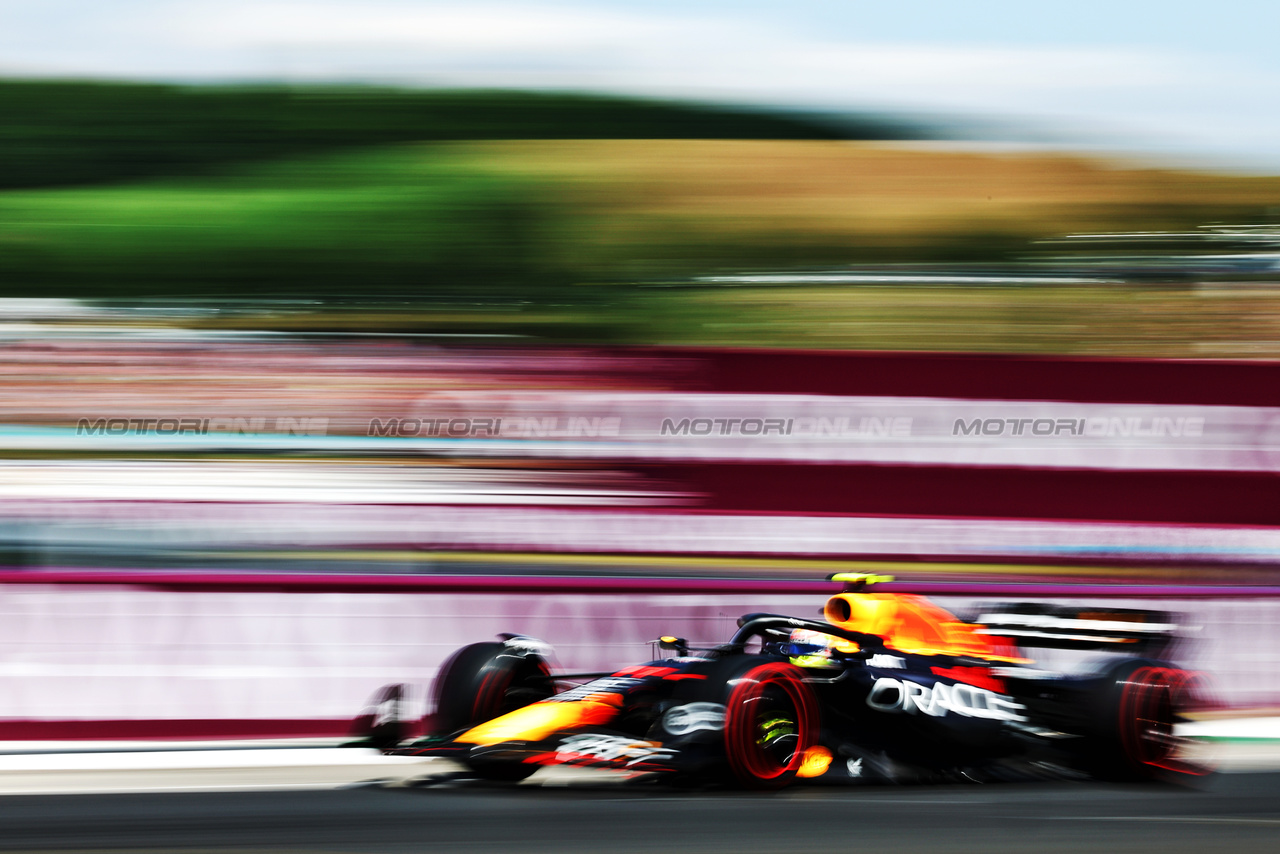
[{"x": 325, "y": 323}]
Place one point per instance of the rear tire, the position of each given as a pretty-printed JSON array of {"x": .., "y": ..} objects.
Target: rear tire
[{"x": 1139, "y": 708}]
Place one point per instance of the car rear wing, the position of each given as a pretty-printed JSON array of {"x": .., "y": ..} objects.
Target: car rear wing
[{"x": 1081, "y": 627}]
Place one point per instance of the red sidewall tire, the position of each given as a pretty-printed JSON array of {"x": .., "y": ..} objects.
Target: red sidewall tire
[
  {"x": 1152, "y": 698},
  {"x": 476, "y": 684},
  {"x": 751, "y": 764},
  {"x": 1136, "y": 711}
]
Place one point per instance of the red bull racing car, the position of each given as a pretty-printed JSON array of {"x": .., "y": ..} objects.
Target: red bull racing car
[{"x": 889, "y": 687}]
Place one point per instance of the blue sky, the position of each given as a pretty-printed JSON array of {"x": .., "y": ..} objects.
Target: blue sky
[{"x": 1178, "y": 79}]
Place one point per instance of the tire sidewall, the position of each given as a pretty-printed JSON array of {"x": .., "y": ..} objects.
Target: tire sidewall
[
  {"x": 472, "y": 685},
  {"x": 739, "y": 682},
  {"x": 1114, "y": 748}
]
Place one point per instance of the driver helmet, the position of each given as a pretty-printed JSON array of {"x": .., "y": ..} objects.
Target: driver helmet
[{"x": 810, "y": 648}]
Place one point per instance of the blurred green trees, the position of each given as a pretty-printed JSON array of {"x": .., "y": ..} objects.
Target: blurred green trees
[
  {"x": 128, "y": 191},
  {"x": 385, "y": 223},
  {"x": 60, "y": 133}
]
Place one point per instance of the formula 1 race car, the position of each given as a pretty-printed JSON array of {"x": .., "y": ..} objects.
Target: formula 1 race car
[{"x": 890, "y": 687}]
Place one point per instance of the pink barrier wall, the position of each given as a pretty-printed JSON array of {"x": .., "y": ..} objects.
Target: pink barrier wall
[{"x": 113, "y": 653}]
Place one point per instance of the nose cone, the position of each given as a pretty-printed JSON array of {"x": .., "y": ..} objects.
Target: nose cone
[{"x": 540, "y": 720}]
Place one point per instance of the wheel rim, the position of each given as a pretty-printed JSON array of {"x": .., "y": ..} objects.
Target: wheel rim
[
  {"x": 1154, "y": 699},
  {"x": 777, "y": 728},
  {"x": 770, "y": 722}
]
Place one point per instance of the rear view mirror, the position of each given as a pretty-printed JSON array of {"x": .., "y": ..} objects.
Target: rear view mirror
[{"x": 680, "y": 645}]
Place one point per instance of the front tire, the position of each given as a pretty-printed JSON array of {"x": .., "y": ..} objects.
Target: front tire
[
  {"x": 485, "y": 680},
  {"x": 771, "y": 721}
]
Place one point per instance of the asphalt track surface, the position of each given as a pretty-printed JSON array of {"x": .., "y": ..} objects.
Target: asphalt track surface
[{"x": 1236, "y": 812}]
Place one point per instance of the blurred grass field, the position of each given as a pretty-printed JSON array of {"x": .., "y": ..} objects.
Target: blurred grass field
[
  {"x": 892, "y": 200},
  {"x": 1137, "y": 321},
  {"x": 602, "y": 239}
]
